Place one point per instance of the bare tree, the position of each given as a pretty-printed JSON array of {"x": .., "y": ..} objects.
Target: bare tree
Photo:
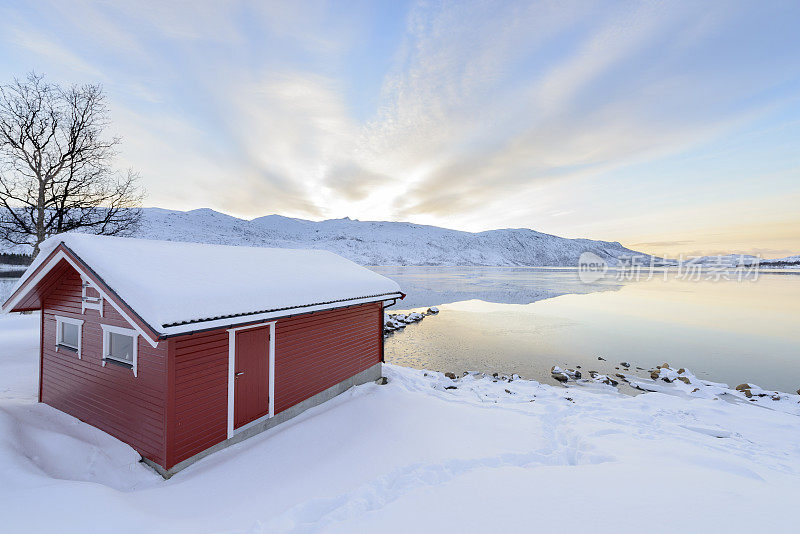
[{"x": 56, "y": 170}]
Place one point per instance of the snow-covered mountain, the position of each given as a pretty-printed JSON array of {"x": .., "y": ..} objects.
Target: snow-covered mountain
[
  {"x": 378, "y": 243},
  {"x": 788, "y": 261},
  {"x": 735, "y": 260},
  {"x": 402, "y": 243},
  {"x": 724, "y": 260}
]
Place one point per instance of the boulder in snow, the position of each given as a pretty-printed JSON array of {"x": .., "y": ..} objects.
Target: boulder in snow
[
  {"x": 414, "y": 317},
  {"x": 557, "y": 373}
]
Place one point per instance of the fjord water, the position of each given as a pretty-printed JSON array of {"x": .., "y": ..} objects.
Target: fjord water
[{"x": 524, "y": 320}]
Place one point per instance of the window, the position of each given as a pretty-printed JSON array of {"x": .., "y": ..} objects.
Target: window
[
  {"x": 68, "y": 334},
  {"x": 119, "y": 346}
]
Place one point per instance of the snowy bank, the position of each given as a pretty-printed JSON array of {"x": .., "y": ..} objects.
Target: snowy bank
[
  {"x": 424, "y": 453},
  {"x": 682, "y": 382}
]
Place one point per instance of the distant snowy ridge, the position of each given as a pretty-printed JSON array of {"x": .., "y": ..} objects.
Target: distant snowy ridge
[
  {"x": 402, "y": 243},
  {"x": 379, "y": 243},
  {"x": 789, "y": 261},
  {"x": 736, "y": 260}
]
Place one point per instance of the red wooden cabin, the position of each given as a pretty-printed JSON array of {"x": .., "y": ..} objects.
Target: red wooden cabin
[{"x": 180, "y": 349}]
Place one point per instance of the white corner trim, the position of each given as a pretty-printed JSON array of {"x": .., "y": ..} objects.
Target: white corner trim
[
  {"x": 61, "y": 255},
  {"x": 109, "y": 329},
  {"x": 60, "y": 320},
  {"x": 232, "y": 370}
]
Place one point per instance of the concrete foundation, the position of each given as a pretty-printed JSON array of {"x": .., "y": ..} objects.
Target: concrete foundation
[{"x": 265, "y": 423}]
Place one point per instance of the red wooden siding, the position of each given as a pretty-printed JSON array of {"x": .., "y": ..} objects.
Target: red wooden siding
[
  {"x": 316, "y": 351},
  {"x": 34, "y": 300},
  {"x": 131, "y": 408},
  {"x": 312, "y": 353},
  {"x": 201, "y": 393},
  {"x": 177, "y": 405}
]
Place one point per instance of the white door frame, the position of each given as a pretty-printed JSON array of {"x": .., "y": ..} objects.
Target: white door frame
[{"x": 232, "y": 369}]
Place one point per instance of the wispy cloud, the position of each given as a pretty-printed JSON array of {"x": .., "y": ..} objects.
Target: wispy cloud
[
  {"x": 51, "y": 51},
  {"x": 545, "y": 114}
]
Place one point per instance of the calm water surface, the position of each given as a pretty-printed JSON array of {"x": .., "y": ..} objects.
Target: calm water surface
[{"x": 524, "y": 320}]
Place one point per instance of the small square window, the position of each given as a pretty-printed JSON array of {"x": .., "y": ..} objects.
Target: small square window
[
  {"x": 120, "y": 347},
  {"x": 69, "y": 335}
]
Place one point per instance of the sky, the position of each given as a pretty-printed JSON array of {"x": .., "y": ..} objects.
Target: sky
[{"x": 672, "y": 127}]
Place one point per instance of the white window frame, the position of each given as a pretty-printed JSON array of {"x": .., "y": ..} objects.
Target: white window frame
[
  {"x": 107, "y": 330},
  {"x": 60, "y": 321}
]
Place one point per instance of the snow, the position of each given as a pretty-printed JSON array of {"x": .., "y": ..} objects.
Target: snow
[
  {"x": 378, "y": 242},
  {"x": 789, "y": 262},
  {"x": 386, "y": 242},
  {"x": 397, "y": 321},
  {"x": 683, "y": 381},
  {"x": 169, "y": 282},
  {"x": 486, "y": 455},
  {"x": 722, "y": 260},
  {"x": 392, "y": 243},
  {"x": 6, "y": 286},
  {"x": 736, "y": 260}
]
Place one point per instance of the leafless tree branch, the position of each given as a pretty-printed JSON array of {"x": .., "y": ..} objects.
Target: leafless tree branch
[{"x": 56, "y": 172}]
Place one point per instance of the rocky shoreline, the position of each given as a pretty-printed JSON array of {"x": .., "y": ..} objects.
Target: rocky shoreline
[
  {"x": 667, "y": 374},
  {"x": 662, "y": 378},
  {"x": 393, "y": 322}
]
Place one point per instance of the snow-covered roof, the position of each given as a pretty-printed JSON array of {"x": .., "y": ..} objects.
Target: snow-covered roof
[{"x": 173, "y": 285}]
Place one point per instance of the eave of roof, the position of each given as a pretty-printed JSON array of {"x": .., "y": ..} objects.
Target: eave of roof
[
  {"x": 62, "y": 251},
  {"x": 193, "y": 327},
  {"x": 186, "y": 327},
  {"x": 366, "y": 298}
]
